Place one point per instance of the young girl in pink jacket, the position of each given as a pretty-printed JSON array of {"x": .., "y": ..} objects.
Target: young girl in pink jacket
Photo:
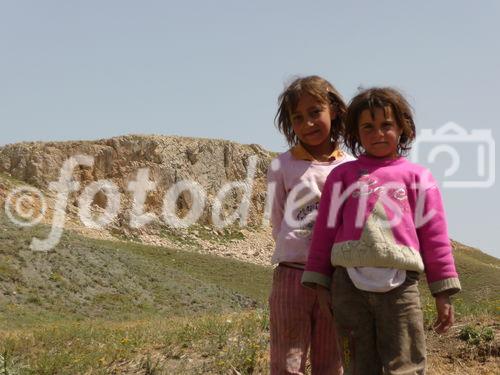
[
  {"x": 310, "y": 115},
  {"x": 381, "y": 223}
]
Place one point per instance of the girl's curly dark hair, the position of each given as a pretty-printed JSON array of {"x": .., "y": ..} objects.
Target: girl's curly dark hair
[
  {"x": 321, "y": 90},
  {"x": 379, "y": 97}
]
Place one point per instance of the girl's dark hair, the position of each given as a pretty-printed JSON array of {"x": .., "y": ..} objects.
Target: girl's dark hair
[
  {"x": 379, "y": 97},
  {"x": 321, "y": 90}
]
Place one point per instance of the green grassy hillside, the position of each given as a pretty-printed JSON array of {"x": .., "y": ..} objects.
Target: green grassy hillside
[
  {"x": 87, "y": 278},
  {"x": 107, "y": 307}
]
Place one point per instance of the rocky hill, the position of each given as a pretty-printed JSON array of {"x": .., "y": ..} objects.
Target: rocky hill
[{"x": 216, "y": 165}]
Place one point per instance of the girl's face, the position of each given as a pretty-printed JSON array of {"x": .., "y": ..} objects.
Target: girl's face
[
  {"x": 312, "y": 121},
  {"x": 379, "y": 135}
]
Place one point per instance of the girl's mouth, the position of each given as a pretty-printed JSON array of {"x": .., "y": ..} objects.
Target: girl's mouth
[{"x": 311, "y": 133}]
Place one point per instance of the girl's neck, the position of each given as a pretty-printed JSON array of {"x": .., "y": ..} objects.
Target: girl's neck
[
  {"x": 375, "y": 161},
  {"x": 389, "y": 157},
  {"x": 320, "y": 152}
]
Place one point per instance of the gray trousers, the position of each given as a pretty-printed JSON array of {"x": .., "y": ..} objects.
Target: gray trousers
[{"x": 379, "y": 333}]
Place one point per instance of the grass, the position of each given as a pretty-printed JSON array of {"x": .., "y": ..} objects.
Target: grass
[
  {"x": 476, "y": 336},
  {"x": 221, "y": 237},
  {"x": 232, "y": 343},
  {"x": 4, "y": 177},
  {"x": 209, "y": 344},
  {"x": 106, "y": 307},
  {"x": 91, "y": 306},
  {"x": 84, "y": 277},
  {"x": 480, "y": 278}
]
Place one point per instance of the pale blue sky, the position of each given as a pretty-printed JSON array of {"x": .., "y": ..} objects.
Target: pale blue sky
[{"x": 96, "y": 69}]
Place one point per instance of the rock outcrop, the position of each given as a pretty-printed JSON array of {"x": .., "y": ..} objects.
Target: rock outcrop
[
  {"x": 210, "y": 163},
  {"x": 216, "y": 165}
]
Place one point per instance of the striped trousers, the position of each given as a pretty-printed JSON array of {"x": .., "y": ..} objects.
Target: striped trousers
[{"x": 297, "y": 325}]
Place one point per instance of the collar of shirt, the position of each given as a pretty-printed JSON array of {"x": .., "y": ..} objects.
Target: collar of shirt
[{"x": 299, "y": 152}]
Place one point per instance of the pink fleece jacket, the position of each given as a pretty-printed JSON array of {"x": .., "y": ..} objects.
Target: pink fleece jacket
[
  {"x": 295, "y": 182},
  {"x": 382, "y": 213}
]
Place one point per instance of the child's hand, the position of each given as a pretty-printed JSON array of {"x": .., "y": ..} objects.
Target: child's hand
[
  {"x": 324, "y": 300},
  {"x": 445, "y": 318}
]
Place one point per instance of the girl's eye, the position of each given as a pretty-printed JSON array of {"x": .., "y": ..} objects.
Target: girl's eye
[{"x": 296, "y": 119}]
